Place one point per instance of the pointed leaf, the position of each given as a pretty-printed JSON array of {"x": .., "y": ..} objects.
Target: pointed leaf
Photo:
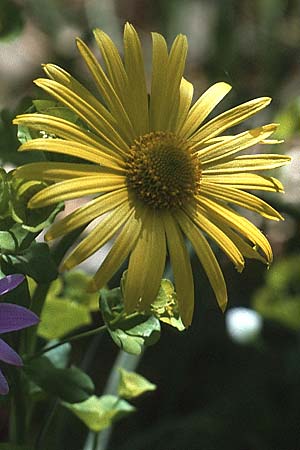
[
  {"x": 70, "y": 385},
  {"x": 99, "y": 413},
  {"x": 132, "y": 384}
]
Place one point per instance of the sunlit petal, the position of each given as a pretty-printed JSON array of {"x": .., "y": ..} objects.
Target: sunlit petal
[
  {"x": 181, "y": 267},
  {"x": 146, "y": 264}
]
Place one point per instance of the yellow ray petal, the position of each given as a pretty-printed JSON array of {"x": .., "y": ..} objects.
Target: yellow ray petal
[
  {"x": 73, "y": 148},
  {"x": 228, "y": 137},
  {"x": 96, "y": 238},
  {"x": 86, "y": 213},
  {"x": 218, "y": 236},
  {"x": 246, "y": 163},
  {"x": 185, "y": 100},
  {"x": 206, "y": 257},
  {"x": 229, "y": 118},
  {"x": 146, "y": 264},
  {"x": 56, "y": 171},
  {"x": 137, "y": 107},
  {"x": 64, "y": 78},
  {"x": 119, "y": 251},
  {"x": 175, "y": 69},
  {"x": 223, "y": 150},
  {"x": 67, "y": 130},
  {"x": 224, "y": 214},
  {"x": 237, "y": 197},
  {"x": 114, "y": 65},
  {"x": 159, "y": 79},
  {"x": 247, "y": 181},
  {"x": 76, "y": 188},
  {"x": 108, "y": 93},
  {"x": 246, "y": 249},
  {"x": 86, "y": 111},
  {"x": 203, "y": 107},
  {"x": 181, "y": 266}
]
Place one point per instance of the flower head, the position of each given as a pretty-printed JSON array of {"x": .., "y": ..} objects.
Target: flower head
[
  {"x": 12, "y": 317},
  {"x": 157, "y": 168}
]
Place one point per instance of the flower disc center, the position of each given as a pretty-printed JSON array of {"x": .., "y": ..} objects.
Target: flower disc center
[{"x": 161, "y": 170}]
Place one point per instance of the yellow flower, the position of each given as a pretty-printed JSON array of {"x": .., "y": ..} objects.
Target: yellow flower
[{"x": 158, "y": 170}]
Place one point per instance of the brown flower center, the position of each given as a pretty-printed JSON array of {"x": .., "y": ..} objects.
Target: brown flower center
[{"x": 162, "y": 171}]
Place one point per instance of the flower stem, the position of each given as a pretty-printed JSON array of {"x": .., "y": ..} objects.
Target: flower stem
[
  {"x": 18, "y": 415},
  {"x": 67, "y": 340},
  {"x": 44, "y": 429}
]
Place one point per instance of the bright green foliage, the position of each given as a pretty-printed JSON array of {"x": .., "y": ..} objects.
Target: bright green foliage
[
  {"x": 61, "y": 316},
  {"x": 130, "y": 332},
  {"x": 67, "y": 299},
  {"x": 165, "y": 306},
  {"x": 279, "y": 299},
  {"x": 132, "y": 384},
  {"x": 75, "y": 287},
  {"x": 99, "y": 413},
  {"x": 70, "y": 385}
]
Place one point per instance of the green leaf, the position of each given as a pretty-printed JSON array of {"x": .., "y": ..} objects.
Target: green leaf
[
  {"x": 165, "y": 306},
  {"x": 13, "y": 237},
  {"x": 53, "y": 108},
  {"x": 75, "y": 287},
  {"x": 99, "y": 413},
  {"x": 34, "y": 261},
  {"x": 130, "y": 332},
  {"x": 12, "y": 22},
  {"x": 26, "y": 134},
  {"x": 32, "y": 219},
  {"x": 71, "y": 316},
  {"x": 132, "y": 384},
  {"x": 70, "y": 385}
]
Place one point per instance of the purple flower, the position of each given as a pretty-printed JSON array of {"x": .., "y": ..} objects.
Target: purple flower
[{"x": 12, "y": 317}]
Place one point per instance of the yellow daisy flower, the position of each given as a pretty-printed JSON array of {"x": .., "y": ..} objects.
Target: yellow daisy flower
[{"x": 157, "y": 169}]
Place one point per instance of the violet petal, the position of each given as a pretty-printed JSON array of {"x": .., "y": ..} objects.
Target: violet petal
[
  {"x": 10, "y": 282},
  {"x": 3, "y": 384},
  {"x": 8, "y": 355},
  {"x": 14, "y": 317}
]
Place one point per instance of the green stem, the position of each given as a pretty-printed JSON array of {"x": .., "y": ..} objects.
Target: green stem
[
  {"x": 18, "y": 416},
  {"x": 44, "y": 429},
  {"x": 68, "y": 339}
]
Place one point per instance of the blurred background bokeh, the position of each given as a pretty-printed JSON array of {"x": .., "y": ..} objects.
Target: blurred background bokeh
[{"x": 217, "y": 389}]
